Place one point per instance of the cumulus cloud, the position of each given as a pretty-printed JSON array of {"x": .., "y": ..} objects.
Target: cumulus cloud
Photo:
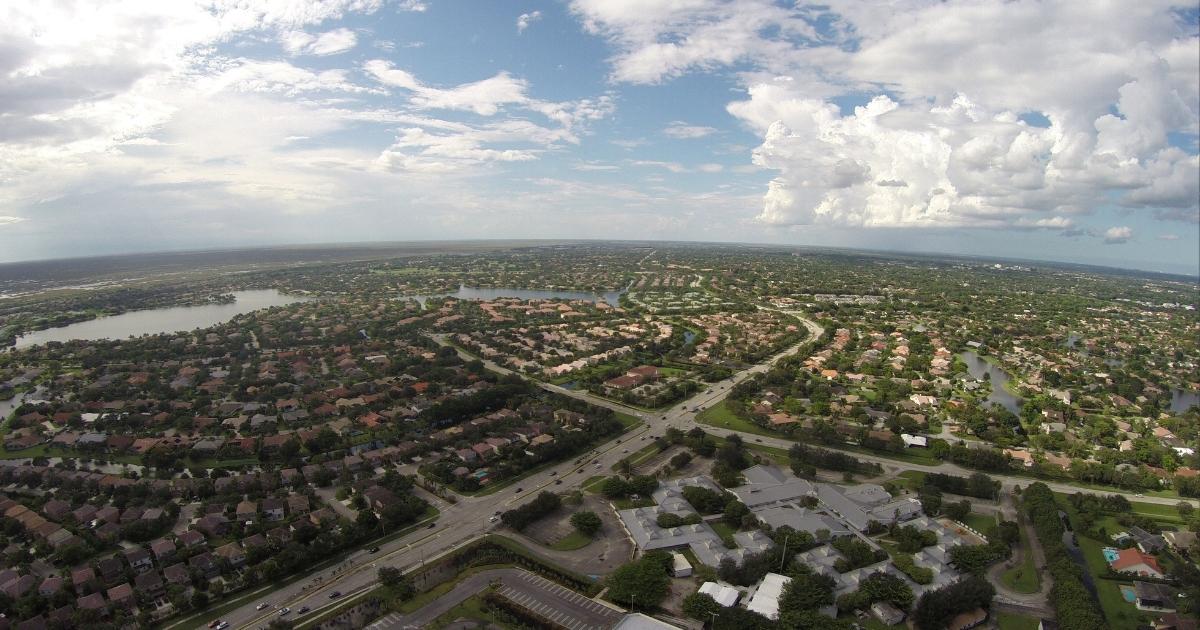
[
  {"x": 681, "y": 130},
  {"x": 525, "y": 19},
  {"x": 942, "y": 139},
  {"x": 1117, "y": 235},
  {"x": 322, "y": 44}
]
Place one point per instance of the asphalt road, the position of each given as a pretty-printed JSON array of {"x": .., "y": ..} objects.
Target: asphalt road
[{"x": 467, "y": 519}]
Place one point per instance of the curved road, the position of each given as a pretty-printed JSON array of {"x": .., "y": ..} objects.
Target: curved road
[{"x": 469, "y": 518}]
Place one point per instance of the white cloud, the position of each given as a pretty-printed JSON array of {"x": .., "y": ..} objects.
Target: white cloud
[
  {"x": 681, "y": 130},
  {"x": 674, "y": 167},
  {"x": 1168, "y": 237},
  {"x": 332, "y": 42},
  {"x": 525, "y": 19},
  {"x": 9, "y": 220},
  {"x": 664, "y": 39},
  {"x": 488, "y": 96},
  {"x": 1117, "y": 235},
  {"x": 483, "y": 97},
  {"x": 947, "y": 146},
  {"x": 412, "y": 5}
]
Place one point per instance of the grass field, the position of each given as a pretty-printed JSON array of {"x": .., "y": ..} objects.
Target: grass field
[
  {"x": 1024, "y": 577},
  {"x": 720, "y": 416},
  {"x": 571, "y": 542},
  {"x": 1121, "y": 615},
  {"x": 1010, "y": 621},
  {"x": 980, "y": 522}
]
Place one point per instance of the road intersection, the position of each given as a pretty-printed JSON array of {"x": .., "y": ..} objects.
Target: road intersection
[{"x": 470, "y": 516}]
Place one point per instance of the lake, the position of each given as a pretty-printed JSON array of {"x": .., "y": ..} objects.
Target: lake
[
  {"x": 977, "y": 366},
  {"x": 1182, "y": 400},
  {"x": 472, "y": 293},
  {"x": 161, "y": 320}
]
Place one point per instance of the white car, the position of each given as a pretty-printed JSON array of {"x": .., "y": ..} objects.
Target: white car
[
  {"x": 262, "y": 606},
  {"x": 285, "y": 610}
]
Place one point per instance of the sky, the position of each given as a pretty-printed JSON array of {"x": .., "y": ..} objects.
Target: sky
[{"x": 1052, "y": 130}]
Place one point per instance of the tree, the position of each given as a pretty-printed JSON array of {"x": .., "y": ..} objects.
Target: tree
[
  {"x": 937, "y": 607},
  {"x": 643, "y": 582},
  {"x": 957, "y": 511},
  {"x": 1185, "y": 509},
  {"x": 399, "y": 583},
  {"x": 807, "y": 591},
  {"x": 587, "y": 523},
  {"x": 700, "y": 606}
]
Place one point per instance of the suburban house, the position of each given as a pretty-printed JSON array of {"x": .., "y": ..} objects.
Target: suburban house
[{"x": 1136, "y": 562}]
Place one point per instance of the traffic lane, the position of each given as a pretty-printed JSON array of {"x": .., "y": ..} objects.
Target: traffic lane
[
  {"x": 296, "y": 593},
  {"x": 359, "y": 571}
]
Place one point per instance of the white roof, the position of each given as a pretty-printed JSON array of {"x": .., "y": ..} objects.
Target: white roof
[
  {"x": 723, "y": 594},
  {"x": 913, "y": 440},
  {"x": 680, "y": 562},
  {"x": 766, "y": 598}
]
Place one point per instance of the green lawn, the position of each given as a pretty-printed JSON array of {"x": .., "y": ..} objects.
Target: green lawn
[
  {"x": 723, "y": 529},
  {"x": 719, "y": 415},
  {"x": 1023, "y": 578},
  {"x": 471, "y": 608},
  {"x": 1121, "y": 615},
  {"x": 572, "y": 541},
  {"x": 627, "y": 420},
  {"x": 592, "y": 484},
  {"x": 421, "y": 599},
  {"x": 980, "y": 522},
  {"x": 1010, "y": 621}
]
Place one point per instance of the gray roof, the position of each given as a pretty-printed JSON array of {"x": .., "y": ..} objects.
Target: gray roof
[
  {"x": 834, "y": 498},
  {"x": 801, "y": 519},
  {"x": 768, "y": 485}
]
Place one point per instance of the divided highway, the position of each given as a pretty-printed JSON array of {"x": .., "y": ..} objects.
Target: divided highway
[{"x": 470, "y": 517}]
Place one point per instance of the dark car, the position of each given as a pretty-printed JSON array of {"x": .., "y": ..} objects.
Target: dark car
[
  {"x": 558, "y": 482},
  {"x": 520, "y": 490},
  {"x": 303, "y": 609},
  {"x": 335, "y": 595},
  {"x": 373, "y": 550},
  {"x": 431, "y": 526}
]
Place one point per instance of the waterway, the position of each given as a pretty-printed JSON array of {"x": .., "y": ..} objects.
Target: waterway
[
  {"x": 474, "y": 293},
  {"x": 978, "y": 366},
  {"x": 161, "y": 320}
]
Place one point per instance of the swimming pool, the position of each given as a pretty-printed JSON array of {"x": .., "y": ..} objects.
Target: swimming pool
[
  {"x": 1111, "y": 554},
  {"x": 1128, "y": 593}
]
